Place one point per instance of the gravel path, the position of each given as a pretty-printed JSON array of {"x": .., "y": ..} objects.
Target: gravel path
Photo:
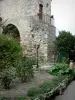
[
  {"x": 69, "y": 94},
  {"x": 20, "y": 89}
]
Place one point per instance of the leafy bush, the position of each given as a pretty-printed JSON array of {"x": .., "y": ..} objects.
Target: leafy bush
[
  {"x": 25, "y": 69},
  {"x": 34, "y": 91},
  {"x": 61, "y": 69},
  {"x": 65, "y": 60},
  {"x": 6, "y": 77},
  {"x": 45, "y": 87},
  {"x": 4, "y": 98},
  {"x": 10, "y": 52}
]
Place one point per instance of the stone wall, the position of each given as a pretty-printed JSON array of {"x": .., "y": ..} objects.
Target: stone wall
[
  {"x": 33, "y": 31},
  {"x": 51, "y": 44}
]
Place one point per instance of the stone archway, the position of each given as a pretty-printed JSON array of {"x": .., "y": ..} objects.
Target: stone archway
[{"x": 13, "y": 31}]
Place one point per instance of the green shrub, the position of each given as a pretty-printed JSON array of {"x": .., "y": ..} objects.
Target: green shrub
[
  {"x": 45, "y": 87},
  {"x": 6, "y": 77},
  {"x": 65, "y": 60},
  {"x": 22, "y": 98},
  {"x": 25, "y": 69},
  {"x": 17, "y": 98},
  {"x": 34, "y": 91},
  {"x": 4, "y": 98},
  {"x": 61, "y": 69},
  {"x": 10, "y": 52}
]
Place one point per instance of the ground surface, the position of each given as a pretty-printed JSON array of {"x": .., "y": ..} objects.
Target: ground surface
[
  {"x": 20, "y": 89},
  {"x": 69, "y": 93}
]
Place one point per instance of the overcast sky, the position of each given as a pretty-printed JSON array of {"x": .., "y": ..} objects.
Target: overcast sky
[{"x": 64, "y": 14}]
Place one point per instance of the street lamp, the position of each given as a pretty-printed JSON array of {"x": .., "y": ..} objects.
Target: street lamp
[
  {"x": 37, "y": 48},
  {"x": 0, "y": 25}
]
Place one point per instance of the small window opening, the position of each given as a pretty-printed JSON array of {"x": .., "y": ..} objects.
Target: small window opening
[
  {"x": 47, "y": 5},
  {"x": 40, "y": 11}
]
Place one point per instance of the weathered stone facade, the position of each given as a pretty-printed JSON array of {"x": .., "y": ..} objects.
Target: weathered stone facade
[{"x": 34, "y": 32}]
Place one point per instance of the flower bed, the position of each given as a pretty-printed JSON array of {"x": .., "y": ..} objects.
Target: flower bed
[
  {"x": 57, "y": 86},
  {"x": 52, "y": 91}
]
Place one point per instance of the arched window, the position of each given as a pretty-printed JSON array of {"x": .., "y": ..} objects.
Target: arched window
[{"x": 40, "y": 11}]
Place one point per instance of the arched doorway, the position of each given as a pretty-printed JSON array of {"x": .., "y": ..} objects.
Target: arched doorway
[{"x": 12, "y": 30}]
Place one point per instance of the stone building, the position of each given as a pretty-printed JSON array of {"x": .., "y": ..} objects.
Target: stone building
[{"x": 31, "y": 22}]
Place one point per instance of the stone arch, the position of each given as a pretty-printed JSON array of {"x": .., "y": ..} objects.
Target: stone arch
[{"x": 12, "y": 30}]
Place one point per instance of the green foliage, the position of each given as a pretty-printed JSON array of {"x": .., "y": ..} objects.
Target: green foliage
[
  {"x": 65, "y": 60},
  {"x": 63, "y": 57},
  {"x": 22, "y": 98},
  {"x": 10, "y": 52},
  {"x": 4, "y": 98},
  {"x": 61, "y": 69},
  {"x": 34, "y": 91},
  {"x": 6, "y": 77},
  {"x": 65, "y": 41},
  {"x": 25, "y": 69},
  {"x": 45, "y": 87},
  {"x": 17, "y": 98}
]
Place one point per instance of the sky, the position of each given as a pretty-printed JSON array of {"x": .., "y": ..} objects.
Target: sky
[{"x": 64, "y": 14}]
